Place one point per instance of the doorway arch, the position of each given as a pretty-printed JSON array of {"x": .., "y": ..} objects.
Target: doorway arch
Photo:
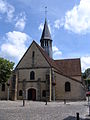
[{"x": 32, "y": 94}]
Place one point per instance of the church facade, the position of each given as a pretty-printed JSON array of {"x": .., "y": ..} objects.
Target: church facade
[{"x": 39, "y": 77}]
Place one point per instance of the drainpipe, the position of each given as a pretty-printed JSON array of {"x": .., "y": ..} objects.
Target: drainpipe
[{"x": 50, "y": 87}]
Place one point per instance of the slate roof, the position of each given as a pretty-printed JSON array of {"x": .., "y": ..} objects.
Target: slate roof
[
  {"x": 70, "y": 67},
  {"x": 46, "y": 33}
]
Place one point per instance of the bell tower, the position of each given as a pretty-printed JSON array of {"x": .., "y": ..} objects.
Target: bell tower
[{"x": 46, "y": 41}]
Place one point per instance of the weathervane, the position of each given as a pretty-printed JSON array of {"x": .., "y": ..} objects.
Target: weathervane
[{"x": 46, "y": 12}]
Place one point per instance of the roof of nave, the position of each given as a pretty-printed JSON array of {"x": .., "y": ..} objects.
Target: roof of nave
[{"x": 70, "y": 67}]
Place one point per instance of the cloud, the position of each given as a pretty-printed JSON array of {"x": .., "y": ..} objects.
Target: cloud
[
  {"x": 56, "y": 52},
  {"x": 6, "y": 8},
  {"x": 14, "y": 46},
  {"x": 85, "y": 62},
  {"x": 20, "y": 21},
  {"x": 41, "y": 26},
  {"x": 77, "y": 20},
  {"x": 9, "y": 11},
  {"x": 58, "y": 23}
]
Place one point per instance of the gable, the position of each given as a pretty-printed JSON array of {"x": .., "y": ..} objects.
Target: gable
[{"x": 27, "y": 61}]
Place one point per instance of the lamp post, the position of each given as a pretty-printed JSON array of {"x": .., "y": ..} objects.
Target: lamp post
[{"x": 8, "y": 91}]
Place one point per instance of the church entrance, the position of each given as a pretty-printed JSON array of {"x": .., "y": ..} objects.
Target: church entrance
[{"x": 31, "y": 94}]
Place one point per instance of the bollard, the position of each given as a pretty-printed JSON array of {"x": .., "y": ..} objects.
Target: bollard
[
  {"x": 46, "y": 102},
  {"x": 77, "y": 116},
  {"x": 64, "y": 101},
  {"x": 23, "y": 102}
]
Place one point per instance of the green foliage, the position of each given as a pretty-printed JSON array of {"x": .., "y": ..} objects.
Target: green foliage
[
  {"x": 6, "y": 68},
  {"x": 86, "y": 73}
]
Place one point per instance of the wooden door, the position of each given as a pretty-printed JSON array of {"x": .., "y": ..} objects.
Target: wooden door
[{"x": 31, "y": 94}]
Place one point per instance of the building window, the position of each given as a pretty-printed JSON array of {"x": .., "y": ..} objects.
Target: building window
[
  {"x": 47, "y": 42},
  {"x": 33, "y": 54},
  {"x": 67, "y": 87},
  {"x": 3, "y": 87},
  {"x": 32, "y": 75},
  {"x": 20, "y": 92},
  {"x": 44, "y": 93}
]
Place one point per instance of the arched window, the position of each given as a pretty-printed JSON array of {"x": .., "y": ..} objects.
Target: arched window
[
  {"x": 33, "y": 57},
  {"x": 33, "y": 54},
  {"x": 20, "y": 92},
  {"x": 32, "y": 75},
  {"x": 3, "y": 87},
  {"x": 44, "y": 93},
  {"x": 67, "y": 87}
]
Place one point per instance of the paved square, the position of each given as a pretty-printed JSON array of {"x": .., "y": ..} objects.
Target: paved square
[{"x": 13, "y": 110}]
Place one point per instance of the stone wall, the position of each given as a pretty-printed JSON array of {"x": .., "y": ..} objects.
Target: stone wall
[
  {"x": 77, "y": 90},
  {"x": 39, "y": 83}
]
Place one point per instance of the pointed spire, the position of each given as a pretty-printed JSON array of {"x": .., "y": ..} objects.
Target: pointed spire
[
  {"x": 46, "y": 41},
  {"x": 46, "y": 32}
]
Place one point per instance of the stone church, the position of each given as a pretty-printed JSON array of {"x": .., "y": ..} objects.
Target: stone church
[{"x": 39, "y": 77}]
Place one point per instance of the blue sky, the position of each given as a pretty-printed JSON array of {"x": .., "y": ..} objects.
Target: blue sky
[{"x": 21, "y": 22}]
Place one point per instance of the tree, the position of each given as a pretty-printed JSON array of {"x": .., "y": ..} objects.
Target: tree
[
  {"x": 86, "y": 73},
  {"x": 86, "y": 77},
  {"x": 6, "y": 68}
]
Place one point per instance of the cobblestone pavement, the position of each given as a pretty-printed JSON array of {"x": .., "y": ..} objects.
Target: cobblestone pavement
[{"x": 13, "y": 110}]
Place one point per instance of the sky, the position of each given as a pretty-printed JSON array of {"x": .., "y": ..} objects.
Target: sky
[{"x": 21, "y": 22}]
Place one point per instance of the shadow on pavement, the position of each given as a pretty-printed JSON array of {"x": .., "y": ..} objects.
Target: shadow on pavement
[{"x": 74, "y": 118}]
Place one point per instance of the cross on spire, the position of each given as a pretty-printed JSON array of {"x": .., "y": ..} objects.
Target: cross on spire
[{"x": 46, "y": 12}]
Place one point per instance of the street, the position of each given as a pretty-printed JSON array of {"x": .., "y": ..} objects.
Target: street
[{"x": 14, "y": 110}]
